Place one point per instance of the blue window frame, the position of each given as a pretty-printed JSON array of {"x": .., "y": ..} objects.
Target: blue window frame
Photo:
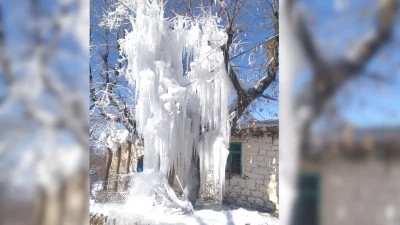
[{"x": 139, "y": 168}]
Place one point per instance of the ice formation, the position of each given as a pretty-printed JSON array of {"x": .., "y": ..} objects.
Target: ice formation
[
  {"x": 162, "y": 197},
  {"x": 179, "y": 112}
]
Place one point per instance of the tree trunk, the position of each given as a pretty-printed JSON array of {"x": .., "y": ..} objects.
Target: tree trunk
[
  {"x": 128, "y": 162},
  {"x": 171, "y": 176},
  {"x": 40, "y": 209},
  {"x": 117, "y": 169},
  {"x": 108, "y": 165},
  {"x": 192, "y": 186},
  {"x": 62, "y": 202}
]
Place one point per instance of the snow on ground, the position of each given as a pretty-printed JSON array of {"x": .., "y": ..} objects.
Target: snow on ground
[
  {"x": 210, "y": 214},
  {"x": 137, "y": 211}
]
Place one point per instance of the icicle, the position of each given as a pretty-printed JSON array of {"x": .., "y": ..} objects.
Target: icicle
[{"x": 170, "y": 113}]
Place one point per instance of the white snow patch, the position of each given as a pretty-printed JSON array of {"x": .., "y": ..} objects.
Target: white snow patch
[
  {"x": 153, "y": 192},
  {"x": 207, "y": 216}
]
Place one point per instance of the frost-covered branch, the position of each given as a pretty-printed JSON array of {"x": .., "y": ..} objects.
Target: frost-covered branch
[
  {"x": 108, "y": 89},
  {"x": 252, "y": 48}
]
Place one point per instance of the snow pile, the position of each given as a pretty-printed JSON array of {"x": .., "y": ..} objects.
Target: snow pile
[
  {"x": 178, "y": 112},
  {"x": 210, "y": 217},
  {"x": 162, "y": 198}
]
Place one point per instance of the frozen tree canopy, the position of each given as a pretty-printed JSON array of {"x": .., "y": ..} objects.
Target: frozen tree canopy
[{"x": 179, "y": 112}]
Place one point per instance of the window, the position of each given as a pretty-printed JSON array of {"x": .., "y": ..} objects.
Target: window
[
  {"x": 139, "y": 167},
  {"x": 307, "y": 204},
  {"x": 234, "y": 162}
]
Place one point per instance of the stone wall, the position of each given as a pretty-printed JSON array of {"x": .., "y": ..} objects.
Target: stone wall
[
  {"x": 130, "y": 154},
  {"x": 137, "y": 151},
  {"x": 366, "y": 191},
  {"x": 258, "y": 185}
]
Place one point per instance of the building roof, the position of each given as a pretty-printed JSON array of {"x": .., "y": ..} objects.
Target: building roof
[
  {"x": 257, "y": 128},
  {"x": 259, "y": 123},
  {"x": 357, "y": 139}
]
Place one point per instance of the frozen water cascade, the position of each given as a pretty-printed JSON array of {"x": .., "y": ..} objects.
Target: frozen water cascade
[{"x": 178, "y": 112}]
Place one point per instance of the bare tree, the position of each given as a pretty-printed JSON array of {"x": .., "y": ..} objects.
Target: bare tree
[
  {"x": 110, "y": 94},
  {"x": 245, "y": 96}
]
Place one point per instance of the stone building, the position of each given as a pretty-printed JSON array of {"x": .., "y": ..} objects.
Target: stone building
[
  {"x": 352, "y": 178},
  {"x": 252, "y": 171},
  {"x": 123, "y": 156},
  {"x": 124, "y": 161},
  {"x": 253, "y": 178}
]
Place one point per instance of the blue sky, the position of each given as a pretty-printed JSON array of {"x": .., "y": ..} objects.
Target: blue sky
[{"x": 363, "y": 101}]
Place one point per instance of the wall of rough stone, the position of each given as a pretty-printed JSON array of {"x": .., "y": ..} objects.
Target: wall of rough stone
[
  {"x": 258, "y": 185},
  {"x": 136, "y": 152},
  {"x": 358, "y": 192}
]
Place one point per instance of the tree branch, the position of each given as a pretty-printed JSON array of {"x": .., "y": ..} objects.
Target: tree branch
[
  {"x": 262, "y": 43},
  {"x": 246, "y": 97},
  {"x": 329, "y": 77},
  {"x": 266, "y": 96},
  {"x": 367, "y": 48}
]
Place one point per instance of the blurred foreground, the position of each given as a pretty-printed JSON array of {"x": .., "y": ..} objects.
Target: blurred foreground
[
  {"x": 44, "y": 119},
  {"x": 340, "y": 112}
]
